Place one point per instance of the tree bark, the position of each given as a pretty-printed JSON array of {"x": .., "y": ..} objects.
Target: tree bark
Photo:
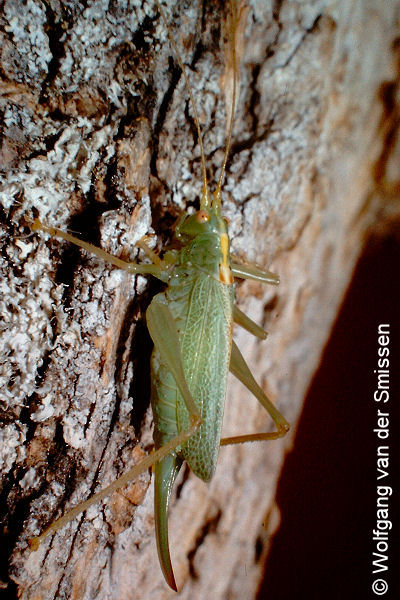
[{"x": 99, "y": 137}]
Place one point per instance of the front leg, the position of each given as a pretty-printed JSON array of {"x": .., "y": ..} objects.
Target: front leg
[{"x": 159, "y": 270}]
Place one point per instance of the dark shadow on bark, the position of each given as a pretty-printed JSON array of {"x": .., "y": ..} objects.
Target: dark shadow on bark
[{"x": 327, "y": 492}]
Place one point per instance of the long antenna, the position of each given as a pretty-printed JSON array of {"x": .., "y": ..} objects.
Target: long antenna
[
  {"x": 232, "y": 31},
  {"x": 205, "y": 200}
]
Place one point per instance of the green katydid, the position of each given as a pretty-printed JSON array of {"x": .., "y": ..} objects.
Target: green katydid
[{"x": 190, "y": 324}]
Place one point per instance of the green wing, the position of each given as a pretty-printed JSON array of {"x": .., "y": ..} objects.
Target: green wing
[{"x": 206, "y": 341}]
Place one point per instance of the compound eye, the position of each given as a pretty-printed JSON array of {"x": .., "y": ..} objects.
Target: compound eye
[
  {"x": 226, "y": 220},
  {"x": 202, "y": 216}
]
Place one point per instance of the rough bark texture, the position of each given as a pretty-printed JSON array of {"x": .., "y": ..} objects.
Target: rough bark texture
[{"x": 98, "y": 137}]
